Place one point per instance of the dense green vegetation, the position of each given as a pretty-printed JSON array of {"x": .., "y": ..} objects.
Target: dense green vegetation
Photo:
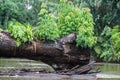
[
  {"x": 109, "y": 44},
  {"x": 22, "y": 33},
  {"x": 51, "y": 19},
  {"x": 47, "y": 27},
  {"x": 73, "y": 19}
]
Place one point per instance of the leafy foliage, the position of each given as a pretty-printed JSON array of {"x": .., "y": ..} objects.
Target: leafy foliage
[
  {"x": 47, "y": 28},
  {"x": 67, "y": 18},
  {"x": 115, "y": 39},
  {"x": 72, "y": 19},
  {"x": 86, "y": 36},
  {"x": 108, "y": 47},
  {"x": 7, "y": 9},
  {"x": 23, "y": 11},
  {"x": 20, "y": 32},
  {"x": 105, "y": 12}
]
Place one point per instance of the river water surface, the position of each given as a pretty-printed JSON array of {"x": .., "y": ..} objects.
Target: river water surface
[{"x": 108, "y": 71}]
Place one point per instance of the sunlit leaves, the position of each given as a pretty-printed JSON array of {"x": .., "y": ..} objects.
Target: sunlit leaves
[
  {"x": 115, "y": 38},
  {"x": 73, "y": 19},
  {"x": 68, "y": 20},
  {"x": 85, "y": 36},
  {"x": 20, "y": 32},
  {"x": 47, "y": 28}
]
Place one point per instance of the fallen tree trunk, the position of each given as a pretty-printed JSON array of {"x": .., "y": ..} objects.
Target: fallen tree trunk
[{"x": 60, "y": 54}]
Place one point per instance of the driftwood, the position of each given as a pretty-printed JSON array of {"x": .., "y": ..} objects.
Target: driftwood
[
  {"x": 78, "y": 70},
  {"x": 60, "y": 54}
]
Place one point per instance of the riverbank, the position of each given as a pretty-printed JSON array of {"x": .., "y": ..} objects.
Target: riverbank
[{"x": 25, "y": 69}]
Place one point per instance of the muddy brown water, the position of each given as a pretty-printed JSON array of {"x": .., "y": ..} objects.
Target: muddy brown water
[{"x": 108, "y": 71}]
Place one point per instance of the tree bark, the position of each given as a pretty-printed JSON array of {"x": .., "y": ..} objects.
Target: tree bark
[{"x": 50, "y": 52}]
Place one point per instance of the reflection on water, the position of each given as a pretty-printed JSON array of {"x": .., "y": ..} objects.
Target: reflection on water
[
  {"x": 109, "y": 68},
  {"x": 108, "y": 71},
  {"x": 12, "y": 63},
  {"x": 51, "y": 77}
]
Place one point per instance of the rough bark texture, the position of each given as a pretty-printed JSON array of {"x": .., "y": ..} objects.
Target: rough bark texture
[{"x": 63, "y": 52}]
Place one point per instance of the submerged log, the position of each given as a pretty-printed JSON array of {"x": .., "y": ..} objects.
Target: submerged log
[
  {"x": 60, "y": 54},
  {"x": 78, "y": 70}
]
